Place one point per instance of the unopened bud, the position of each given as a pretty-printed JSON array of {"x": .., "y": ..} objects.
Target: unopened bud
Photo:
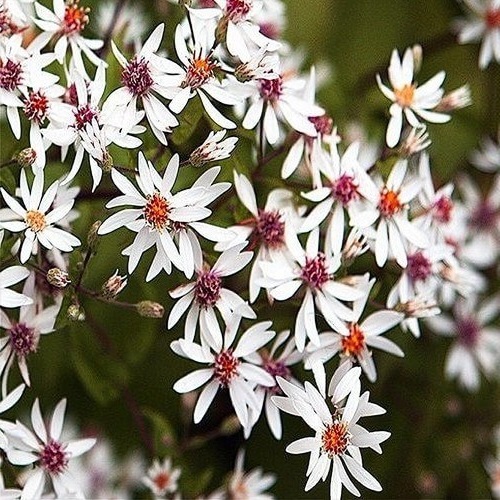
[
  {"x": 355, "y": 245},
  {"x": 456, "y": 99},
  {"x": 114, "y": 285},
  {"x": 58, "y": 278},
  {"x": 417, "y": 57},
  {"x": 92, "y": 236},
  {"x": 417, "y": 140},
  {"x": 107, "y": 162},
  {"x": 26, "y": 157},
  {"x": 75, "y": 312},
  {"x": 150, "y": 309}
]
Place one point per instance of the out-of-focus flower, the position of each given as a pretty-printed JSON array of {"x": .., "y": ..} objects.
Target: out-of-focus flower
[
  {"x": 8, "y": 277},
  {"x": 161, "y": 478}
]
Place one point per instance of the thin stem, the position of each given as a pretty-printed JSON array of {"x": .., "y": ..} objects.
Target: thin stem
[
  {"x": 106, "y": 300},
  {"x": 119, "y": 6},
  {"x": 262, "y": 145}
]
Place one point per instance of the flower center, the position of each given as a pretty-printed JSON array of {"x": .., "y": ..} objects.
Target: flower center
[
  {"x": 335, "y": 439},
  {"x": 484, "y": 216},
  {"x": 199, "y": 72},
  {"x": 226, "y": 367},
  {"x": 271, "y": 90},
  {"x": 468, "y": 331},
  {"x": 270, "y": 229},
  {"x": 314, "y": 272},
  {"x": 323, "y": 124},
  {"x": 35, "y": 220},
  {"x": 36, "y": 107},
  {"x": 237, "y": 10},
  {"x": 10, "y": 75},
  {"x": 419, "y": 267},
  {"x": 207, "y": 289},
  {"x": 136, "y": 76},
  {"x": 83, "y": 115},
  {"x": 493, "y": 18},
  {"x": 442, "y": 209},
  {"x": 156, "y": 212},
  {"x": 276, "y": 369},
  {"x": 53, "y": 457},
  {"x": 162, "y": 480},
  {"x": 404, "y": 95},
  {"x": 7, "y": 26},
  {"x": 353, "y": 344},
  {"x": 75, "y": 18},
  {"x": 389, "y": 203},
  {"x": 71, "y": 95},
  {"x": 23, "y": 339},
  {"x": 344, "y": 189}
]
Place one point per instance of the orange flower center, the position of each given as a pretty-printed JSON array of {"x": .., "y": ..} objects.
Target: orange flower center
[
  {"x": 353, "y": 344},
  {"x": 162, "y": 480},
  {"x": 404, "y": 95},
  {"x": 493, "y": 18},
  {"x": 35, "y": 220},
  {"x": 335, "y": 439},
  {"x": 156, "y": 212},
  {"x": 389, "y": 203},
  {"x": 199, "y": 72},
  {"x": 75, "y": 18}
]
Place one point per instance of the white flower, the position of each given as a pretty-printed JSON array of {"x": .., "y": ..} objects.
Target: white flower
[
  {"x": 8, "y": 277},
  {"x": 214, "y": 148},
  {"x": 408, "y": 98},
  {"x": 477, "y": 344},
  {"x": 338, "y": 436},
  {"x": 141, "y": 77},
  {"x": 389, "y": 204},
  {"x": 38, "y": 221},
  {"x": 483, "y": 23},
  {"x": 207, "y": 294},
  {"x": 161, "y": 478},
  {"x": 355, "y": 346},
  {"x": 66, "y": 21},
  {"x": 226, "y": 369},
  {"x": 313, "y": 272},
  {"x": 156, "y": 210},
  {"x": 44, "y": 450},
  {"x": 488, "y": 157},
  {"x": 23, "y": 336}
]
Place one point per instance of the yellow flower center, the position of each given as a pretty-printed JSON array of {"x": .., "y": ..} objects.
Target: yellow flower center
[
  {"x": 353, "y": 344},
  {"x": 335, "y": 439},
  {"x": 404, "y": 95},
  {"x": 35, "y": 220}
]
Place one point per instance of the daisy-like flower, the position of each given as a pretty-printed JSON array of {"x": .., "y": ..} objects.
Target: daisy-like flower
[
  {"x": 161, "y": 478},
  {"x": 488, "y": 157},
  {"x": 207, "y": 294},
  {"x": 477, "y": 343},
  {"x": 156, "y": 210},
  {"x": 214, "y": 148},
  {"x": 22, "y": 337},
  {"x": 409, "y": 99},
  {"x": 6, "y": 402},
  {"x": 252, "y": 484},
  {"x": 483, "y": 24},
  {"x": 141, "y": 77},
  {"x": 313, "y": 273},
  {"x": 274, "y": 100},
  {"x": 196, "y": 76},
  {"x": 338, "y": 437},
  {"x": 8, "y": 277},
  {"x": 226, "y": 369},
  {"x": 37, "y": 219},
  {"x": 66, "y": 21},
  {"x": 355, "y": 346},
  {"x": 277, "y": 365},
  {"x": 46, "y": 452},
  {"x": 389, "y": 205}
]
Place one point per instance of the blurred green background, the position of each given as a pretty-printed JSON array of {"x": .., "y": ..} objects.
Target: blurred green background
[{"x": 440, "y": 434}]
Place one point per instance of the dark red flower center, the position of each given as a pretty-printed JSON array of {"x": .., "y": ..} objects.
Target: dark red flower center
[
  {"x": 36, "y": 107},
  {"x": 136, "y": 76},
  {"x": 53, "y": 457},
  {"x": 271, "y": 90},
  {"x": 468, "y": 331},
  {"x": 83, "y": 115},
  {"x": 493, "y": 18},
  {"x": 269, "y": 228},
  {"x": 323, "y": 124},
  {"x": 10, "y": 75},
  {"x": 207, "y": 289},
  {"x": 226, "y": 367},
  {"x": 23, "y": 339},
  {"x": 442, "y": 209},
  {"x": 345, "y": 189},
  {"x": 419, "y": 267},
  {"x": 237, "y": 10},
  {"x": 315, "y": 273}
]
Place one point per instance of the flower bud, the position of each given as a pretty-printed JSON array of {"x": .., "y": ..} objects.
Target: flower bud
[
  {"x": 75, "y": 312},
  {"x": 58, "y": 278},
  {"x": 92, "y": 236},
  {"x": 150, "y": 309},
  {"x": 114, "y": 285},
  {"x": 417, "y": 57},
  {"x": 26, "y": 157},
  {"x": 107, "y": 162}
]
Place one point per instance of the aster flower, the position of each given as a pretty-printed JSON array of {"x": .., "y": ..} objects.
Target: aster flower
[
  {"x": 476, "y": 347},
  {"x": 207, "y": 294},
  {"x": 22, "y": 337},
  {"x": 408, "y": 98},
  {"x": 37, "y": 219},
  {"x": 338, "y": 436},
  {"x": 161, "y": 478},
  {"x": 66, "y": 21},
  {"x": 483, "y": 24},
  {"x": 46, "y": 452},
  {"x": 389, "y": 205},
  {"x": 8, "y": 277},
  {"x": 226, "y": 368},
  {"x": 312, "y": 272},
  {"x": 141, "y": 77},
  {"x": 156, "y": 210}
]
